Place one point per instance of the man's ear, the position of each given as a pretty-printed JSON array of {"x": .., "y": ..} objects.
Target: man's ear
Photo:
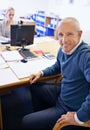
[{"x": 80, "y": 33}]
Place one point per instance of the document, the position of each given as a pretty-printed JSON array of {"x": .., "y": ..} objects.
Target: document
[
  {"x": 11, "y": 55},
  {"x": 23, "y": 70},
  {"x": 3, "y": 64},
  {"x": 7, "y": 76}
]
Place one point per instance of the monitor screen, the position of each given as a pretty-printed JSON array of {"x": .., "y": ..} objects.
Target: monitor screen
[{"x": 22, "y": 35}]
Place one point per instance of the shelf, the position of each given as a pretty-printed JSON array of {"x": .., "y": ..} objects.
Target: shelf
[{"x": 46, "y": 24}]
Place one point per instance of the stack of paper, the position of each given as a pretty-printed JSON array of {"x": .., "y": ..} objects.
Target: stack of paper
[
  {"x": 11, "y": 55},
  {"x": 3, "y": 64},
  {"x": 7, "y": 76}
]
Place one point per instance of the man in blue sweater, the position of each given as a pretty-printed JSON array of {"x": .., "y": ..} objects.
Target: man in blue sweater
[{"x": 70, "y": 101}]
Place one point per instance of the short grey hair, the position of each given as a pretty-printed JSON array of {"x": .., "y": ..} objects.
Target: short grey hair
[{"x": 72, "y": 19}]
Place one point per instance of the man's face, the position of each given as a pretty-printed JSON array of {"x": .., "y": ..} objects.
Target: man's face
[{"x": 69, "y": 36}]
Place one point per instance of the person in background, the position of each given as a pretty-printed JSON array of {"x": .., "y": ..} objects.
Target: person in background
[
  {"x": 6, "y": 23},
  {"x": 69, "y": 101}
]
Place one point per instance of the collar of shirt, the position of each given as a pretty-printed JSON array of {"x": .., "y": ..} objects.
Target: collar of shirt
[{"x": 69, "y": 53}]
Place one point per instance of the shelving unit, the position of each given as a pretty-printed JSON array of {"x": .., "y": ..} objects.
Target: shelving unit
[{"x": 46, "y": 24}]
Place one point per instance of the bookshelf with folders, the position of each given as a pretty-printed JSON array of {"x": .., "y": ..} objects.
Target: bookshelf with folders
[{"x": 46, "y": 24}]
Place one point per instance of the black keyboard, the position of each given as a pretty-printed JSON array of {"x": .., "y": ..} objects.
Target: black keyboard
[{"x": 27, "y": 54}]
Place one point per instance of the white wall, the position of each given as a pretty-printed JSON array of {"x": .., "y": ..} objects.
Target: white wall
[
  {"x": 79, "y": 9},
  {"x": 63, "y": 8},
  {"x": 23, "y": 7}
]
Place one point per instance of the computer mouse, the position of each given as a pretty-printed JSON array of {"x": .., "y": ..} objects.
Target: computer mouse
[{"x": 24, "y": 60}]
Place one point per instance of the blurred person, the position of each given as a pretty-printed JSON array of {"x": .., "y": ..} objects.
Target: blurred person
[{"x": 6, "y": 23}]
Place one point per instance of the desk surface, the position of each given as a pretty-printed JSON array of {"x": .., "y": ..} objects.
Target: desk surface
[{"x": 51, "y": 47}]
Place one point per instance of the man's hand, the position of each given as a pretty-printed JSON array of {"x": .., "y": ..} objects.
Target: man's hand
[
  {"x": 67, "y": 118},
  {"x": 34, "y": 77}
]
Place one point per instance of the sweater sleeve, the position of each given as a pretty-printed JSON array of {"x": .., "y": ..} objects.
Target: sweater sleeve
[
  {"x": 54, "y": 69},
  {"x": 83, "y": 113},
  {"x": 77, "y": 120}
]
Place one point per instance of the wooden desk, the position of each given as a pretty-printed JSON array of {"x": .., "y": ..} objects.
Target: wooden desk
[{"x": 46, "y": 47}]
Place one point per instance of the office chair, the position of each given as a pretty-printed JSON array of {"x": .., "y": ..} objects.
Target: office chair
[{"x": 59, "y": 127}]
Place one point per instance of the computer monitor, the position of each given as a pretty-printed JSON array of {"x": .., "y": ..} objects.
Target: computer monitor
[{"x": 22, "y": 35}]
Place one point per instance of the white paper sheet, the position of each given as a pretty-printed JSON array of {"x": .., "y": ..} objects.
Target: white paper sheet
[
  {"x": 3, "y": 64},
  {"x": 11, "y": 55},
  {"x": 23, "y": 70},
  {"x": 7, "y": 76}
]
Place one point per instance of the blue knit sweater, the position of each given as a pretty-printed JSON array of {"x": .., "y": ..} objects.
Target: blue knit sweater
[{"x": 75, "y": 86}]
